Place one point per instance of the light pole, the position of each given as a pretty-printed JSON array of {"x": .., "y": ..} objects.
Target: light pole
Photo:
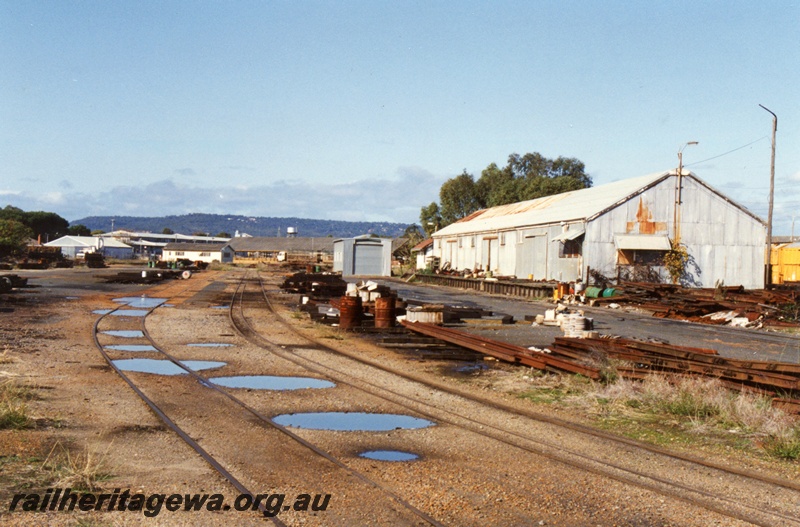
[
  {"x": 768, "y": 266},
  {"x": 678, "y": 194}
]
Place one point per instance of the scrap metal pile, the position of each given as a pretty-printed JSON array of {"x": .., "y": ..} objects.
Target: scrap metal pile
[{"x": 730, "y": 305}]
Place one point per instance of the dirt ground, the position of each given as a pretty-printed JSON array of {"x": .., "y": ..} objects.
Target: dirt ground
[{"x": 88, "y": 427}]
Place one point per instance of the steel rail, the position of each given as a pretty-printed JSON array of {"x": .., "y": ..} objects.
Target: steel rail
[
  {"x": 208, "y": 458},
  {"x": 585, "y": 430},
  {"x": 260, "y": 416}
]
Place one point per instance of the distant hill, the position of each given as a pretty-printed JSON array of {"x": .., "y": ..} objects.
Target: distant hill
[{"x": 213, "y": 224}]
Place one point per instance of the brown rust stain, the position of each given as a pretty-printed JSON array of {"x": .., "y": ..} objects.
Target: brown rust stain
[{"x": 644, "y": 223}]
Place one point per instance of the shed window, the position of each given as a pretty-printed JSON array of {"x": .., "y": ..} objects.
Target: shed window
[
  {"x": 205, "y": 254},
  {"x": 570, "y": 249},
  {"x": 502, "y": 238},
  {"x": 178, "y": 253},
  {"x": 472, "y": 241},
  {"x": 642, "y": 257}
]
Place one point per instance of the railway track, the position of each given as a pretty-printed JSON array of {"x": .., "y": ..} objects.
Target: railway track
[{"x": 748, "y": 498}]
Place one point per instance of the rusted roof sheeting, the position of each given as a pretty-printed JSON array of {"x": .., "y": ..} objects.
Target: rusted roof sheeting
[{"x": 569, "y": 206}]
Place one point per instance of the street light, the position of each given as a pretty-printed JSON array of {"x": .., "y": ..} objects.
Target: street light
[
  {"x": 678, "y": 192},
  {"x": 768, "y": 266}
]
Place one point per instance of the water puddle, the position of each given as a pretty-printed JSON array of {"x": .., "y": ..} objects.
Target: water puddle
[
  {"x": 124, "y": 333},
  {"x": 472, "y": 368},
  {"x": 101, "y": 311},
  {"x": 271, "y": 382},
  {"x": 164, "y": 367},
  {"x": 71, "y": 297},
  {"x": 210, "y": 345},
  {"x": 351, "y": 421},
  {"x": 129, "y": 313},
  {"x": 219, "y": 307},
  {"x": 131, "y": 347},
  {"x": 144, "y": 302},
  {"x": 389, "y": 455}
]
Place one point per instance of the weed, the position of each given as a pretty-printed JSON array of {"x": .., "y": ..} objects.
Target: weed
[
  {"x": 13, "y": 410},
  {"x": 784, "y": 447},
  {"x": 83, "y": 470}
]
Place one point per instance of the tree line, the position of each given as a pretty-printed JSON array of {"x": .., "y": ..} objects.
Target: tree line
[
  {"x": 525, "y": 177},
  {"x": 18, "y": 226}
]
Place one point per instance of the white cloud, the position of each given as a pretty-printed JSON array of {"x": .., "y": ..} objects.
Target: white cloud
[{"x": 397, "y": 199}]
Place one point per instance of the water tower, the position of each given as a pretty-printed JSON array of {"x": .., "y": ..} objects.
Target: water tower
[{"x": 291, "y": 232}]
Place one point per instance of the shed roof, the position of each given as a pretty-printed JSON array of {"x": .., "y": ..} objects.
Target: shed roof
[
  {"x": 195, "y": 247},
  {"x": 263, "y": 243},
  {"x": 577, "y": 205},
  {"x": 87, "y": 241}
]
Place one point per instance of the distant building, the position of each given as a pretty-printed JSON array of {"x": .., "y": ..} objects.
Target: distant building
[
  {"x": 424, "y": 253},
  {"x": 149, "y": 244},
  {"x": 198, "y": 252},
  {"x": 74, "y": 246},
  {"x": 363, "y": 256},
  {"x": 258, "y": 249}
]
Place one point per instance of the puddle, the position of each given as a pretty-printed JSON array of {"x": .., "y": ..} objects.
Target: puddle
[
  {"x": 131, "y": 347},
  {"x": 141, "y": 301},
  {"x": 210, "y": 345},
  {"x": 471, "y": 368},
  {"x": 389, "y": 455},
  {"x": 101, "y": 311},
  {"x": 219, "y": 307},
  {"x": 124, "y": 333},
  {"x": 71, "y": 297},
  {"x": 351, "y": 421},
  {"x": 164, "y": 367},
  {"x": 130, "y": 313},
  {"x": 271, "y": 382}
]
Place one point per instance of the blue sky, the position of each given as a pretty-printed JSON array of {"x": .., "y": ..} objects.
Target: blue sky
[{"x": 359, "y": 110}]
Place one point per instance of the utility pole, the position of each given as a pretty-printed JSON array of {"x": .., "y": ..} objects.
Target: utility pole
[
  {"x": 679, "y": 194},
  {"x": 768, "y": 267}
]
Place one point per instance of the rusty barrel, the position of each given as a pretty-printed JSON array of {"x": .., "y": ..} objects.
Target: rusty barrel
[
  {"x": 384, "y": 312},
  {"x": 350, "y": 311}
]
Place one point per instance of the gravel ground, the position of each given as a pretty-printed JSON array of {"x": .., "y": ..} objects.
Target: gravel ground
[{"x": 461, "y": 476}]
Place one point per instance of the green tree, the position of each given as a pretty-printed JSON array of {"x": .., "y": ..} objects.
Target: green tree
[
  {"x": 430, "y": 218},
  {"x": 458, "y": 197},
  {"x": 223, "y": 235},
  {"x": 48, "y": 225},
  {"x": 14, "y": 235},
  {"x": 79, "y": 230},
  {"x": 524, "y": 177},
  {"x": 167, "y": 230},
  {"x": 496, "y": 186},
  {"x": 413, "y": 235}
]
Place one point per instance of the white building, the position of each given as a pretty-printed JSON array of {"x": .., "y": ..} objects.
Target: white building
[
  {"x": 620, "y": 230},
  {"x": 198, "y": 252},
  {"x": 363, "y": 256},
  {"x": 71, "y": 246}
]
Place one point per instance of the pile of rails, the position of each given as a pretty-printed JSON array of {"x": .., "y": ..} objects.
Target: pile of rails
[
  {"x": 600, "y": 358},
  {"x": 731, "y": 305}
]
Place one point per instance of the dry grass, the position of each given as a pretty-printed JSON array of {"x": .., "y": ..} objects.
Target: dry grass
[
  {"x": 678, "y": 408},
  {"x": 82, "y": 470},
  {"x": 13, "y": 407}
]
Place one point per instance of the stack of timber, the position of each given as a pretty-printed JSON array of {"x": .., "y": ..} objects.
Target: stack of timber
[
  {"x": 719, "y": 305},
  {"x": 596, "y": 358}
]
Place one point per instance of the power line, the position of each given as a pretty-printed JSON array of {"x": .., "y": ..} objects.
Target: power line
[{"x": 728, "y": 152}]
